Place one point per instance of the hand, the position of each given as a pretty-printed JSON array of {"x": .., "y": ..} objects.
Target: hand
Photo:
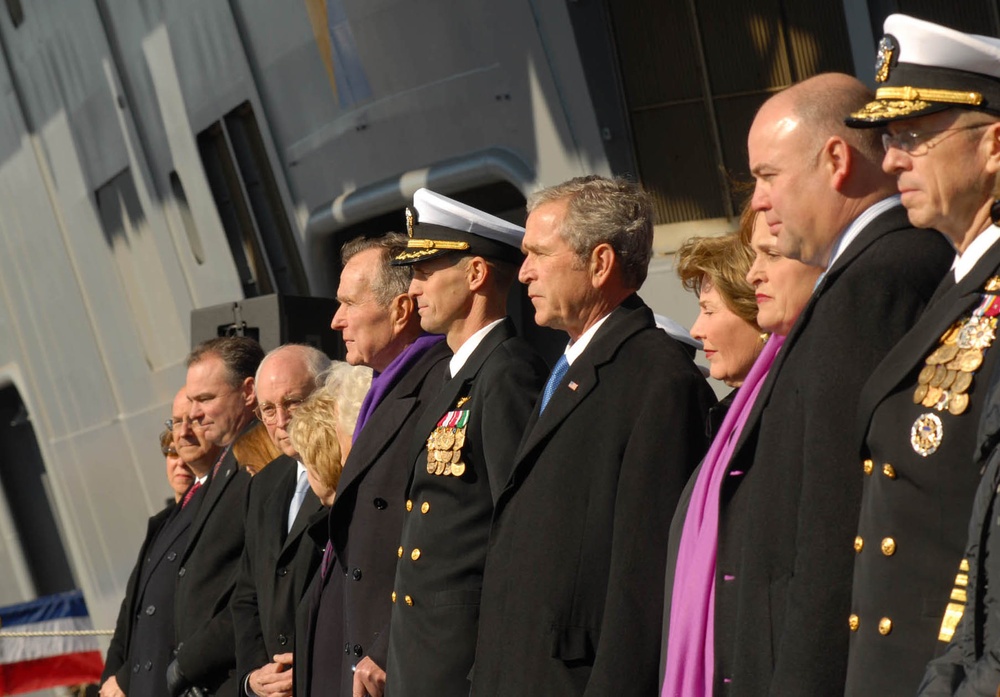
[
  {"x": 274, "y": 679},
  {"x": 177, "y": 682},
  {"x": 110, "y": 688},
  {"x": 369, "y": 679}
]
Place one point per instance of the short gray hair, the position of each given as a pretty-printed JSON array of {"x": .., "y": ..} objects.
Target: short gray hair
[
  {"x": 391, "y": 281},
  {"x": 316, "y": 361},
  {"x": 601, "y": 210}
]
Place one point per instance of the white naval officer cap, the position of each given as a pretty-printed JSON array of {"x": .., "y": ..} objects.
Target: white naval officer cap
[
  {"x": 438, "y": 225},
  {"x": 922, "y": 68}
]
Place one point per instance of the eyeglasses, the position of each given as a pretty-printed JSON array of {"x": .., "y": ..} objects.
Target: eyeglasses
[
  {"x": 172, "y": 424},
  {"x": 268, "y": 413},
  {"x": 168, "y": 451},
  {"x": 917, "y": 143}
]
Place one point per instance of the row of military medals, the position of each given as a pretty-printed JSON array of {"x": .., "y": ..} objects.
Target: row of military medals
[
  {"x": 945, "y": 380},
  {"x": 444, "y": 445}
]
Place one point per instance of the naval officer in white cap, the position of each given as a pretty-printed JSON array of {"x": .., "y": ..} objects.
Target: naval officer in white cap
[
  {"x": 938, "y": 97},
  {"x": 464, "y": 263}
]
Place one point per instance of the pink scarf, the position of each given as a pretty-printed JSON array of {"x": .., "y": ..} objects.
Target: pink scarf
[{"x": 691, "y": 641}]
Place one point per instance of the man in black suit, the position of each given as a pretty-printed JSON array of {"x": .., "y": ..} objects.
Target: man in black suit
[
  {"x": 464, "y": 264},
  {"x": 572, "y": 591},
  {"x": 279, "y": 558},
  {"x": 381, "y": 329},
  {"x": 220, "y": 392},
  {"x": 938, "y": 99},
  {"x": 143, "y": 642},
  {"x": 789, "y": 505}
]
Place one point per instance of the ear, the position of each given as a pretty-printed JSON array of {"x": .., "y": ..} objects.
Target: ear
[
  {"x": 400, "y": 311},
  {"x": 837, "y": 158},
  {"x": 247, "y": 389},
  {"x": 603, "y": 262},
  {"x": 476, "y": 273},
  {"x": 991, "y": 145}
]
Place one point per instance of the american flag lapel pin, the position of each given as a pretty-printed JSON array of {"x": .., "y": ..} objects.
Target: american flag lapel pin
[{"x": 572, "y": 385}]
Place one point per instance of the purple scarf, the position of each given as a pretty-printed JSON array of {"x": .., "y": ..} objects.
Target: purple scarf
[
  {"x": 691, "y": 640},
  {"x": 387, "y": 379}
]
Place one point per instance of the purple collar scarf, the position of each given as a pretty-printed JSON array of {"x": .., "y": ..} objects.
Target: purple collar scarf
[
  {"x": 691, "y": 640},
  {"x": 383, "y": 382}
]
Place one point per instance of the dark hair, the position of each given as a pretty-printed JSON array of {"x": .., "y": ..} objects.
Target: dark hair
[
  {"x": 391, "y": 281},
  {"x": 240, "y": 354}
]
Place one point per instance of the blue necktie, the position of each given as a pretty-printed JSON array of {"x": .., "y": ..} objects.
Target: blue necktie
[
  {"x": 300, "y": 494},
  {"x": 558, "y": 373}
]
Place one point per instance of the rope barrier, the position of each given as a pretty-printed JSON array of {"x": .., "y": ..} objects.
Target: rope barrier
[{"x": 68, "y": 632}]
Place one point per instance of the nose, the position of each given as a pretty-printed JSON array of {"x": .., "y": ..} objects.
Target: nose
[
  {"x": 338, "y": 322},
  {"x": 756, "y": 274},
  {"x": 698, "y": 328},
  {"x": 282, "y": 417},
  {"x": 195, "y": 412},
  {"x": 524, "y": 274},
  {"x": 759, "y": 201},
  {"x": 416, "y": 287},
  {"x": 895, "y": 161}
]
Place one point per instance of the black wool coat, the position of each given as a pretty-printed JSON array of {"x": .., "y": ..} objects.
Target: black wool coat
[
  {"x": 789, "y": 505},
  {"x": 276, "y": 567},
  {"x": 365, "y": 523},
  {"x": 572, "y": 593},
  {"x": 920, "y": 504},
  {"x": 446, "y": 521},
  {"x": 206, "y": 645}
]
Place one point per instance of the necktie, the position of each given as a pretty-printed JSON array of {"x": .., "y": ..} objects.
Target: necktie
[
  {"x": 300, "y": 493},
  {"x": 558, "y": 373},
  {"x": 190, "y": 494}
]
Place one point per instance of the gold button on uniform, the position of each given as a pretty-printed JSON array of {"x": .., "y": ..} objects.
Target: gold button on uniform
[
  {"x": 853, "y": 622},
  {"x": 409, "y": 505},
  {"x": 888, "y": 546},
  {"x": 858, "y": 543},
  {"x": 399, "y": 552},
  {"x": 869, "y": 466},
  {"x": 424, "y": 507},
  {"x": 889, "y": 471},
  {"x": 884, "y": 626},
  {"x": 408, "y": 600},
  {"x": 394, "y": 596},
  {"x": 415, "y": 554}
]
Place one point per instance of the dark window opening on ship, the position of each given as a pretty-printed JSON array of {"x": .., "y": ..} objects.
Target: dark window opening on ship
[
  {"x": 249, "y": 202},
  {"x": 22, "y": 478},
  {"x": 16, "y": 12},
  {"x": 187, "y": 219}
]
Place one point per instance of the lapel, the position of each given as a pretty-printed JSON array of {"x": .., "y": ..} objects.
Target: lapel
[
  {"x": 953, "y": 302},
  {"x": 171, "y": 530},
  {"x": 459, "y": 385},
  {"x": 310, "y": 507},
  {"x": 893, "y": 219},
  {"x": 395, "y": 407},
  {"x": 627, "y": 319},
  {"x": 215, "y": 487}
]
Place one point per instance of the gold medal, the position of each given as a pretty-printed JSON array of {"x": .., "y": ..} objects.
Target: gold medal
[
  {"x": 949, "y": 379},
  {"x": 919, "y": 394},
  {"x": 932, "y": 396},
  {"x": 458, "y": 469},
  {"x": 439, "y": 468},
  {"x": 958, "y": 403},
  {"x": 446, "y": 438},
  {"x": 926, "y": 374},
  {"x": 926, "y": 434},
  {"x": 459, "y": 438},
  {"x": 939, "y": 373},
  {"x": 951, "y": 336},
  {"x": 971, "y": 360},
  {"x": 962, "y": 383},
  {"x": 936, "y": 356},
  {"x": 978, "y": 333},
  {"x": 447, "y": 470},
  {"x": 948, "y": 352}
]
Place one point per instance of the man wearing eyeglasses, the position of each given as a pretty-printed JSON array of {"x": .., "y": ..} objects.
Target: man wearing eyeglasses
[
  {"x": 221, "y": 399},
  {"x": 279, "y": 557},
  {"x": 938, "y": 97},
  {"x": 789, "y": 508}
]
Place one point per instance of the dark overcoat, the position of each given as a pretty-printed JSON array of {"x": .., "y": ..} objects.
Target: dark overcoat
[
  {"x": 573, "y": 588},
  {"x": 789, "y": 505},
  {"x": 446, "y": 518},
  {"x": 365, "y": 522},
  {"x": 206, "y": 644},
  {"x": 276, "y": 567},
  {"x": 915, "y": 509}
]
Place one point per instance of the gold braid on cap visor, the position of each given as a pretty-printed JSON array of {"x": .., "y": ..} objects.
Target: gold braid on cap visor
[
  {"x": 426, "y": 247},
  {"x": 896, "y": 102}
]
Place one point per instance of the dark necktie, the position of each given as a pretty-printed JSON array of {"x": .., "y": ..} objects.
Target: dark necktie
[
  {"x": 558, "y": 373},
  {"x": 190, "y": 494}
]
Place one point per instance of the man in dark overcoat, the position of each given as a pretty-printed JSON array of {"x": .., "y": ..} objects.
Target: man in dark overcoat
[
  {"x": 920, "y": 411},
  {"x": 220, "y": 392},
  {"x": 348, "y": 612},
  {"x": 572, "y": 591},
  {"x": 788, "y": 508},
  {"x": 464, "y": 264},
  {"x": 279, "y": 558}
]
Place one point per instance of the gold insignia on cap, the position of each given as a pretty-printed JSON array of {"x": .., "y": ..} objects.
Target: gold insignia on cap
[
  {"x": 409, "y": 222},
  {"x": 883, "y": 61},
  {"x": 916, "y": 94},
  {"x": 425, "y": 248}
]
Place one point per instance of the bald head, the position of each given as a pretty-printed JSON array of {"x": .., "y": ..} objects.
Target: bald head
[
  {"x": 814, "y": 175},
  {"x": 286, "y": 377}
]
